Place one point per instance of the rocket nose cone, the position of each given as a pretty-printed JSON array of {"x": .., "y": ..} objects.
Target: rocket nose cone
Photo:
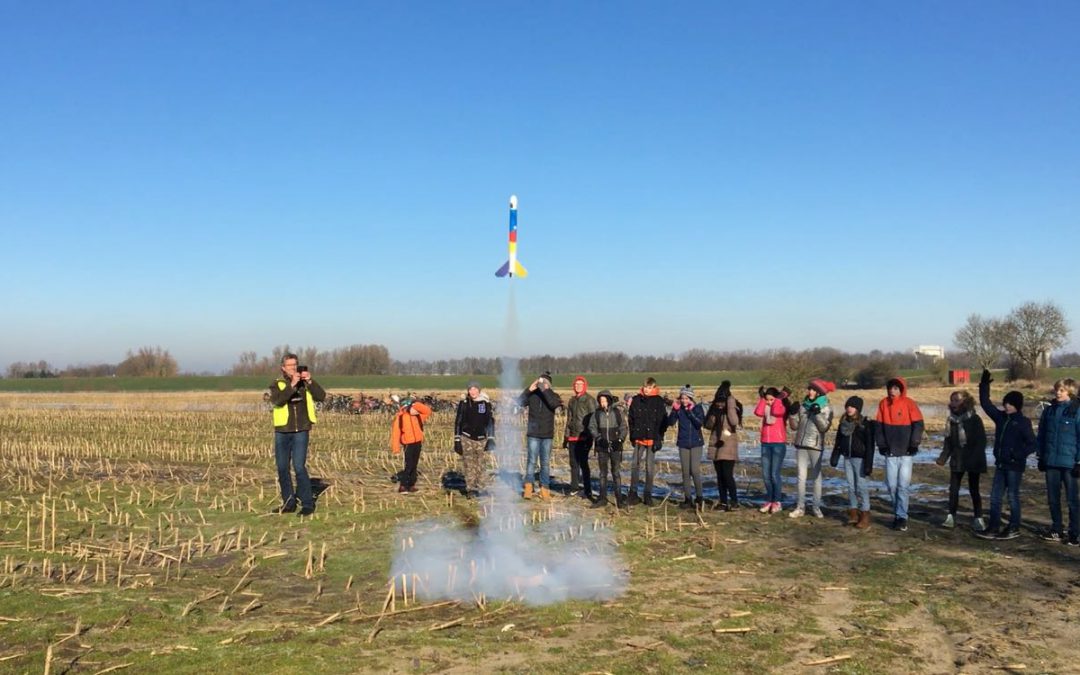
[{"x": 513, "y": 202}]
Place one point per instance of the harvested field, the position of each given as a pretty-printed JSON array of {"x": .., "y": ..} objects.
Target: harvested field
[{"x": 136, "y": 534}]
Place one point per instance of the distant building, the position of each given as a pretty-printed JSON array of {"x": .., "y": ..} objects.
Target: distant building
[{"x": 934, "y": 352}]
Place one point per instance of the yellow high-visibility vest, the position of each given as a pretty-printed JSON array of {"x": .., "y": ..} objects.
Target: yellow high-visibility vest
[{"x": 281, "y": 412}]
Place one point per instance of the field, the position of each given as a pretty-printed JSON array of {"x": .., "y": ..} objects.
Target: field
[{"x": 135, "y": 534}]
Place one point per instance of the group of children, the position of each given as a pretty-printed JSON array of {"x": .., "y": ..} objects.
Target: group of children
[{"x": 605, "y": 425}]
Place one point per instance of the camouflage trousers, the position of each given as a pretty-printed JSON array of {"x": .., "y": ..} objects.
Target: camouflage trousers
[{"x": 476, "y": 463}]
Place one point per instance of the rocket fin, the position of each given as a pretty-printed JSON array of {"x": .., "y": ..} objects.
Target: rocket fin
[
  {"x": 504, "y": 270},
  {"x": 519, "y": 271}
]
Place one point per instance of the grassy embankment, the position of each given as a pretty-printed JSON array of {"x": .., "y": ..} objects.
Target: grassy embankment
[{"x": 139, "y": 538}]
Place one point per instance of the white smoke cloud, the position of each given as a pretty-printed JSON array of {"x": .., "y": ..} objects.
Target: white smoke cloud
[{"x": 513, "y": 553}]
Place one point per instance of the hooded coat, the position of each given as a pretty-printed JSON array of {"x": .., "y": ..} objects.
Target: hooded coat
[
  {"x": 578, "y": 409},
  {"x": 408, "y": 428},
  {"x": 724, "y": 436},
  {"x": 811, "y": 422},
  {"x": 475, "y": 419},
  {"x": 1013, "y": 438},
  {"x": 607, "y": 427},
  {"x": 971, "y": 456},
  {"x": 900, "y": 426},
  {"x": 773, "y": 420},
  {"x": 690, "y": 419},
  {"x": 1059, "y": 435}
]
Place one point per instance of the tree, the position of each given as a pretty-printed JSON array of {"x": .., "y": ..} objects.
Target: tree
[
  {"x": 148, "y": 362},
  {"x": 1032, "y": 331},
  {"x": 982, "y": 339}
]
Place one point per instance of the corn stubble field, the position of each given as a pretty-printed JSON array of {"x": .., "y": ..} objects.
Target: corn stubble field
[{"x": 135, "y": 534}]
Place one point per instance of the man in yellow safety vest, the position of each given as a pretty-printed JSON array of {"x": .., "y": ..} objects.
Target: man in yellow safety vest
[{"x": 294, "y": 396}]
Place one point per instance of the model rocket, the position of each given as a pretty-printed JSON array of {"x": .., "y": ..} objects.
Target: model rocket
[{"x": 512, "y": 267}]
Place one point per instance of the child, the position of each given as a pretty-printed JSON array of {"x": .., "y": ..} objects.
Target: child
[
  {"x": 965, "y": 451},
  {"x": 607, "y": 427},
  {"x": 1059, "y": 457},
  {"x": 1013, "y": 442},
  {"x": 723, "y": 420},
  {"x": 474, "y": 437},
  {"x": 855, "y": 443},
  {"x": 898, "y": 431},
  {"x": 773, "y": 413},
  {"x": 810, "y": 423},
  {"x": 647, "y": 418},
  {"x": 576, "y": 440},
  {"x": 407, "y": 431},
  {"x": 541, "y": 401},
  {"x": 690, "y": 419}
]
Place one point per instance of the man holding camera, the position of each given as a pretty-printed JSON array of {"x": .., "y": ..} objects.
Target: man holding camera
[{"x": 293, "y": 397}]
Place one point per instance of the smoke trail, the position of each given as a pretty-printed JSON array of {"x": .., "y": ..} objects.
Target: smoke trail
[{"x": 535, "y": 555}]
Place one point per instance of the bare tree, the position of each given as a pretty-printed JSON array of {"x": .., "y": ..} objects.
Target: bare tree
[
  {"x": 982, "y": 339},
  {"x": 148, "y": 362},
  {"x": 1033, "y": 330}
]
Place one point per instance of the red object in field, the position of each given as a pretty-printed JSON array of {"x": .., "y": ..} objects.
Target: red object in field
[{"x": 959, "y": 377}]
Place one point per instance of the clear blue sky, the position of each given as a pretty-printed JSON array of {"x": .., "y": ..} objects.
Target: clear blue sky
[{"x": 221, "y": 177}]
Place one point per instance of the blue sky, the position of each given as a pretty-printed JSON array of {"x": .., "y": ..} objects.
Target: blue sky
[{"x": 221, "y": 177}]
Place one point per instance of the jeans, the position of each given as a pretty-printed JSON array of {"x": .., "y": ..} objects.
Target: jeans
[
  {"x": 858, "y": 486},
  {"x": 772, "y": 460},
  {"x": 809, "y": 461},
  {"x": 1055, "y": 477},
  {"x": 897, "y": 482},
  {"x": 973, "y": 487},
  {"x": 1006, "y": 480},
  {"x": 539, "y": 450},
  {"x": 690, "y": 459},
  {"x": 579, "y": 466},
  {"x": 643, "y": 453},
  {"x": 292, "y": 448}
]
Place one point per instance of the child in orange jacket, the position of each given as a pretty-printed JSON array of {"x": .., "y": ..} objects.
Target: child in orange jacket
[{"x": 407, "y": 431}]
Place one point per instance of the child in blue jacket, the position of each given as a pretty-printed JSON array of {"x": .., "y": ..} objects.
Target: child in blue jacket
[{"x": 690, "y": 418}]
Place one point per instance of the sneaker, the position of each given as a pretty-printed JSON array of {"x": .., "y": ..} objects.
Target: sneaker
[
  {"x": 766, "y": 508},
  {"x": 816, "y": 510},
  {"x": 901, "y": 524},
  {"x": 986, "y": 533},
  {"x": 978, "y": 524},
  {"x": 776, "y": 507},
  {"x": 797, "y": 513},
  {"x": 950, "y": 522},
  {"x": 734, "y": 506},
  {"x": 686, "y": 504},
  {"x": 1052, "y": 535},
  {"x": 402, "y": 488},
  {"x": 307, "y": 510},
  {"x": 1073, "y": 541},
  {"x": 599, "y": 503},
  {"x": 1008, "y": 533}
]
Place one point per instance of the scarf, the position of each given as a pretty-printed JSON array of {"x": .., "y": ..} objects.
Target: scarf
[
  {"x": 957, "y": 422},
  {"x": 848, "y": 424},
  {"x": 821, "y": 402}
]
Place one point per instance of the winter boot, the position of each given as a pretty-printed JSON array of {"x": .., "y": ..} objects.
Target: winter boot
[
  {"x": 528, "y": 491},
  {"x": 852, "y": 516},
  {"x": 864, "y": 520},
  {"x": 545, "y": 494}
]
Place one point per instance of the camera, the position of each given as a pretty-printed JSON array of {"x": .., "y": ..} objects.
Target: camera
[{"x": 301, "y": 369}]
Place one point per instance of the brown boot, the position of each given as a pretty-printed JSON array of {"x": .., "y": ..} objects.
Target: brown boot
[
  {"x": 864, "y": 520},
  {"x": 545, "y": 494},
  {"x": 852, "y": 516},
  {"x": 528, "y": 491}
]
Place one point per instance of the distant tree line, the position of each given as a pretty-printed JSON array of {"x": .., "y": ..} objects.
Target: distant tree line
[
  {"x": 143, "y": 362},
  {"x": 351, "y": 360}
]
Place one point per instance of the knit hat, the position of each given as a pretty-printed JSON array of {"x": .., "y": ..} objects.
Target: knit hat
[
  {"x": 1015, "y": 399},
  {"x": 546, "y": 375},
  {"x": 821, "y": 386},
  {"x": 854, "y": 402},
  {"x": 471, "y": 384},
  {"x": 687, "y": 390}
]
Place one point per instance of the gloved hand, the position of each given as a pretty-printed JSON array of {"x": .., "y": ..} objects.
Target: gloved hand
[
  {"x": 457, "y": 445},
  {"x": 1075, "y": 471},
  {"x": 814, "y": 409},
  {"x": 761, "y": 391},
  {"x": 690, "y": 405},
  {"x": 913, "y": 450},
  {"x": 986, "y": 378},
  {"x": 490, "y": 445},
  {"x": 676, "y": 405},
  {"x": 792, "y": 407},
  {"x": 940, "y": 461}
]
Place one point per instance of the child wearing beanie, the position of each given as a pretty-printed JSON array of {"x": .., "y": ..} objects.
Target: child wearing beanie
[
  {"x": 811, "y": 421},
  {"x": 1013, "y": 442},
  {"x": 855, "y": 443},
  {"x": 690, "y": 418}
]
